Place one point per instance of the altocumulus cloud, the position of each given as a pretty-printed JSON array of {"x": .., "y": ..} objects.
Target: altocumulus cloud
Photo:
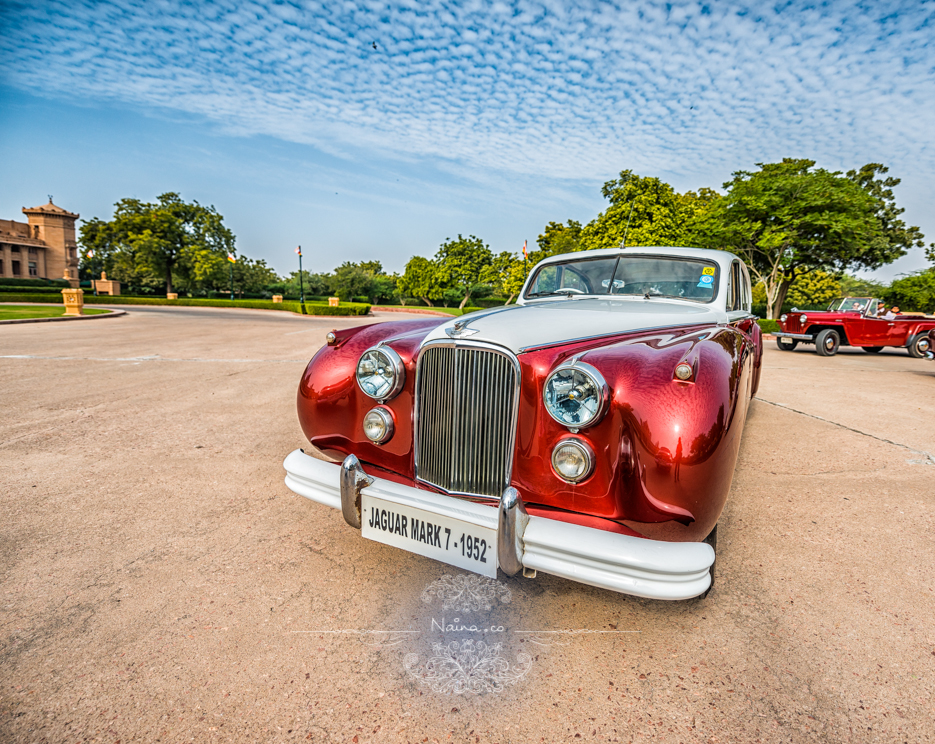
[{"x": 532, "y": 88}]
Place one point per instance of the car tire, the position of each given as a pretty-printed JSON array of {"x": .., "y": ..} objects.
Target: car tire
[
  {"x": 872, "y": 349},
  {"x": 828, "y": 342},
  {"x": 711, "y": 539},
  {"x": 786, "y": 345},
  {"x": 919, "y": 346}
]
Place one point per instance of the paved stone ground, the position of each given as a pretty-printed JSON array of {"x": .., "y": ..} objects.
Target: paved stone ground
[{"x": 158, "y": 582}]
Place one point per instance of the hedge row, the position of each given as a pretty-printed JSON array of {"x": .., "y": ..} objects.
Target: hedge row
[
  {"x": 768, "y": 326},
  {"x": 292, "y": 307},
  {"x": 19, "y": 289},
  {"x": 21, "y": 282}
]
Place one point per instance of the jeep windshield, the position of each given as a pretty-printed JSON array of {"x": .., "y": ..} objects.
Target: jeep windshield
[
  {"x": 850, "y": 305},
  {"x": 635, "y": 276}
]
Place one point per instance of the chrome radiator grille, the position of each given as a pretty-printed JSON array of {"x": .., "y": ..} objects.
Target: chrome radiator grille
[{"x": 466, "y": 402}]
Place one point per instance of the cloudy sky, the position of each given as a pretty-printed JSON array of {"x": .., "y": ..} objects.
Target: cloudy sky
[{"x": 363, "y": 130}]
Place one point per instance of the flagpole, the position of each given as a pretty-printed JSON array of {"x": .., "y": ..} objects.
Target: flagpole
[{"x": 232, "y": 281}]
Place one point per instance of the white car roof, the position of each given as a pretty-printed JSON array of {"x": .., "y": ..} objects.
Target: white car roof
[{"x": 722, "y": 258}]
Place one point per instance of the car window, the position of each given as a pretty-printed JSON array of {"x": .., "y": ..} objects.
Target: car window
[
  {"x": 690, "y": 279},
  {"x": 581, "y": 277}
]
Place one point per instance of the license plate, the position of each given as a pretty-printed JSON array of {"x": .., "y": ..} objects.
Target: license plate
[
  {"x": 446, "y": 539},
  {"x": 785, "y": 339}
]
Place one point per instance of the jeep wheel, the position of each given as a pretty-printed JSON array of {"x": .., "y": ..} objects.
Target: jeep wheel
[
  {"x": 828, "y": 342},
  {"x": 786, "y": 345},
  {"x": 872, "y": 349},
  {"x": 920, "y": 345}
]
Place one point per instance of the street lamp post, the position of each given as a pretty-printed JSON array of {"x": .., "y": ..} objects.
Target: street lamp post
[{"x": 301, "y": 282}]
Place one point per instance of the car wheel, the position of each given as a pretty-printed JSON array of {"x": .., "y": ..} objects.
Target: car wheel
[
  {"x": 873, "y": 349},
  {"x": 828, "y": 342},
  {"x": 711, "y": 539},
  {"x": 920, "y": 346},
  {"x": 786, "y": 345}
]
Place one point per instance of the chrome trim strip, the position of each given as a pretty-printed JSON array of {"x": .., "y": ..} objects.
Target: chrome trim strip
[{"x": 455, "y": 409}]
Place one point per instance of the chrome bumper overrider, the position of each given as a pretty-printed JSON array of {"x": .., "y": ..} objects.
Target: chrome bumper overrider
[{"x": 527, "y": 543}]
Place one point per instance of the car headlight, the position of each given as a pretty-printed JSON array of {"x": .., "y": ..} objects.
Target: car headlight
[
  {"x": 572, "y": 460},
  {"x": 575, "y": 395},
  {"x": 803, "y": 318},
  {"x": 782, "y": 318},
  {"x": 378, "y": 425},
  {"x": 380, "y": 373}
]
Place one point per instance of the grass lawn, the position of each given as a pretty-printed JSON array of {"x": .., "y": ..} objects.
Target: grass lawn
[{"x": 19, "y": 312}]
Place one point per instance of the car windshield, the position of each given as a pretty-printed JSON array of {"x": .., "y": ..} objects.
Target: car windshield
[
  {"x": 850, "y": 305},
  {"x": 636, "y": 276}
]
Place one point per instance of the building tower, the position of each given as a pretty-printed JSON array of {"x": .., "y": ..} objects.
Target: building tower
[{"x": 55, "y": 227}]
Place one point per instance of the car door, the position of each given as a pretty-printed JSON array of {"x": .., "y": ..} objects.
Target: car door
[{"x": 867, "y": 330}]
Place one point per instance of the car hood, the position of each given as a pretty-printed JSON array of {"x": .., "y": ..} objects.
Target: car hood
[{"x": 521, "y": 327}]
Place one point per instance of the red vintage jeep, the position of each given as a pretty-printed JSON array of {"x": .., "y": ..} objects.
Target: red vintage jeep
[{"x": 855, "y": 321}]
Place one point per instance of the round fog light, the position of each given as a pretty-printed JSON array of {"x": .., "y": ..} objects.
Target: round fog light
[
  {"x": 683, "y": 371},
  {"x": 378, "y": 425},
  {"x": 572, "y": 460}
]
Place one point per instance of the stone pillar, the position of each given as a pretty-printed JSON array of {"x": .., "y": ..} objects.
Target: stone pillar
[
  {"x": 172, "y": 295},
  {"x": 277, "y": 298},
  {"x": 333, "y": 301},
  {"x": 74, "y": 301}
]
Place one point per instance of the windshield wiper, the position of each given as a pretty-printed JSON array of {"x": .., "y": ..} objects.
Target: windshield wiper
[{"x": 566, "y": 292}]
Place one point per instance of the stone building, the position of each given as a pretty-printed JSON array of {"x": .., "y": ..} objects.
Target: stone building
[{"x": 42, "y": 248}]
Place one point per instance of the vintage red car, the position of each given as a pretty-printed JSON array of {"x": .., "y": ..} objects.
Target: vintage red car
[
  {"x": 855, "y": 321},
  {"x": 589, "y": 431}
]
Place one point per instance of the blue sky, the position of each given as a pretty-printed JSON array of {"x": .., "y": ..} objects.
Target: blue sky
[{"x": 364, "y": 130}]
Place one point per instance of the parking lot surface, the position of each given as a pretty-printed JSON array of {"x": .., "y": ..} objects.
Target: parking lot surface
[{"x": 160, "y": 583}]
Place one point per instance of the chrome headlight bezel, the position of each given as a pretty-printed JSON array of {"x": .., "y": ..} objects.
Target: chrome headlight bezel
[
  {"x": 389, "y": 426},
  {"x": 393, "y": 362},
  {"x": 602, "y": 392},
  {"x": 583, "y": 448}
]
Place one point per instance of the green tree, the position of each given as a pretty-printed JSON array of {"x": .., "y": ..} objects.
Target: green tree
[
  {"x": 558, "y": 238},
  {"x": 351, "y": 281},
  {"x": 814, "y": 288},
  {"x": 461, "y": 263},
  {"x": 787, "y": 219},
  {"x": 169, "y": 237},
  {"x": 420, "y": 279},
  {"x": 914, "y": 292},
  {"x": 505, "y": 274},
  {"x": 645, "y": 210},
  {"x": 251, "y": 276},
  {"x": 852, "y": 286},
  {"x": 318, "y": 285},
  {"x": 897, "y": 236}
]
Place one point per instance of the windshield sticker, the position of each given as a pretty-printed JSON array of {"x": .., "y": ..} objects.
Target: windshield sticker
[
  {"x": 706, "y": 281},
  {"x": 708, "y": 271}
]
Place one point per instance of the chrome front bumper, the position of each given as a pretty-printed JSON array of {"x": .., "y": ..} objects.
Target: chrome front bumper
[
  {"x": 796, "y": 336},
  {"x": 631, "y": 565}
]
